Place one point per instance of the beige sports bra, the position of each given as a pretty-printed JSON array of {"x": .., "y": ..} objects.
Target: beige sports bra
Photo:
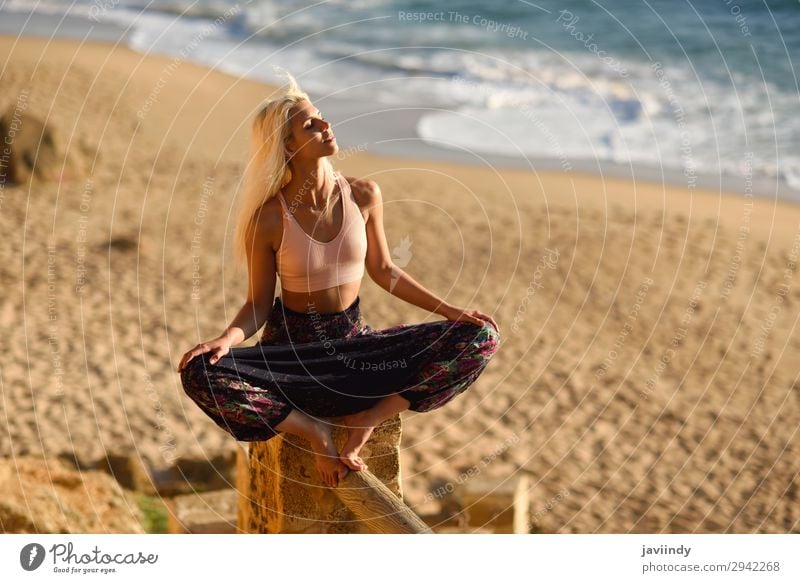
[{"x": 305, "y": 264}]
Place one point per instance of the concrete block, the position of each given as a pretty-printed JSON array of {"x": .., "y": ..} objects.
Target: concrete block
[{"x": 503, "y": 504}]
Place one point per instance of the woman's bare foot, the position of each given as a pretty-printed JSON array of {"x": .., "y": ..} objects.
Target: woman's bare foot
[
  {"x": 328, "y": 464},
  {"x": 360, "y": 426}
]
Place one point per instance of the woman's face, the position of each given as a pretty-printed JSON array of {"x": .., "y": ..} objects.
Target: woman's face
[{"x": 309, "y": 133}]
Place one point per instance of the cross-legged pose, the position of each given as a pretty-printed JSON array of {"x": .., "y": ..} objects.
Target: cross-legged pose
[{"x": 317, "y": 230}]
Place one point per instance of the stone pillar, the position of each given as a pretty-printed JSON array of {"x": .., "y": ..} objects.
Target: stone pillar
[{"x": 281, "y": 492}]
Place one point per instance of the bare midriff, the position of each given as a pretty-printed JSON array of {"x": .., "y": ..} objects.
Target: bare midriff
[{"x": 333, "y": 299}]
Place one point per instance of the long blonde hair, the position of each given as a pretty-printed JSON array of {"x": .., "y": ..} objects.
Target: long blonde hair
[{"x": 267, "y": 169}]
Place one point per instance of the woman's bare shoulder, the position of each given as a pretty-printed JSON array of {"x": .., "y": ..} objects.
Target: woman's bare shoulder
[
  {"x": 365, "y": 190},
  {"x": 269, "y": 222}
]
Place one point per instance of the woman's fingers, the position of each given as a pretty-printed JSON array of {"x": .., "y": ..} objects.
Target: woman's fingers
[
  {"x": 489, "y": 319},
  {"x": 196, "y": 351},
  {"x": 184, "y": 360},
  {"x": 477, "y": 317},
  {"x": 473, "y": 318}
]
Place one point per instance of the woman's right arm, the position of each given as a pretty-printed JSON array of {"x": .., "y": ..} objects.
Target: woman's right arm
[{"x": 260, "y": 295}]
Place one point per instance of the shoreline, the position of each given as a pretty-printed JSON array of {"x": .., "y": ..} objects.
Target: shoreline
[{"x": 393, "y": 132}]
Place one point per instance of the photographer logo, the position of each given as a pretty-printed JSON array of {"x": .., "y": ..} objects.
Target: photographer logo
[{"x": 31, "y": 556}]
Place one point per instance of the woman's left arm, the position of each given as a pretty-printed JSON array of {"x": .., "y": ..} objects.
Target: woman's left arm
[{"x": 386, "y": 274}]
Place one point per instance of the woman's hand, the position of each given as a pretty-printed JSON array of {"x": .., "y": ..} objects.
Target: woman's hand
[
  {"x": 219, "y": 346},
  {"x": 476, "y": 317}
]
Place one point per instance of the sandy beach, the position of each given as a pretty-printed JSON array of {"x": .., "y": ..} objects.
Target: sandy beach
[{"x": 647, "y": 379}]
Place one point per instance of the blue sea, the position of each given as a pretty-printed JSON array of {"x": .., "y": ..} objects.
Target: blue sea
[{"x": 705, "y": 87}]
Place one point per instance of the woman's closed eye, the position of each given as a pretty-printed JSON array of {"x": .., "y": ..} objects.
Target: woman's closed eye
[{"x": 308, "y": 124}]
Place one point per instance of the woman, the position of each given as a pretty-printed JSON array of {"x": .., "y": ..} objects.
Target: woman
[{"x": 317, "y": 230}]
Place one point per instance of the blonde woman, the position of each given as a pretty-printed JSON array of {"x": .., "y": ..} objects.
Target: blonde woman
[{"x": 318, "y": 231}]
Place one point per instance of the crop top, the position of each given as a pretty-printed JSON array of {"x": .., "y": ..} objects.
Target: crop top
[{"x": 305, "y": 264}]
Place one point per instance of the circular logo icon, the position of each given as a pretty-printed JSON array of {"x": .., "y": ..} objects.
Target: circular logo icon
[{"x": 31, "y": 556}]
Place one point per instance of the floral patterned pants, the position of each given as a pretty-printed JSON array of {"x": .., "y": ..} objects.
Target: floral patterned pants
[{"x": 333, "y": 364}]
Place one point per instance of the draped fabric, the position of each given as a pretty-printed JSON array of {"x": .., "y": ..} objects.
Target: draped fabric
[{"x": 332, "y": 364}]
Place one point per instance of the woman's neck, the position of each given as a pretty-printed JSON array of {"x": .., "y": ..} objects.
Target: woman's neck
[{"x": 311, "y": 184}]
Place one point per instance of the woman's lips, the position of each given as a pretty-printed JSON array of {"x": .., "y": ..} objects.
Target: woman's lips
[{"x": 330, "y": 139}]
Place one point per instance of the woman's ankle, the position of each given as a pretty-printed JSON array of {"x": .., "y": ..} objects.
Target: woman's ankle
[
  {"x": 319, "y": 436},
  {"x": 302, "y": 425}
]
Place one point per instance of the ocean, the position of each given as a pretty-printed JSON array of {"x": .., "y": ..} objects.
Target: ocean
[{"x": 677, "y": 87}]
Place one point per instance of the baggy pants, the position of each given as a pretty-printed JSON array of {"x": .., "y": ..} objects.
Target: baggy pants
[{"x": 333, "y": 364}]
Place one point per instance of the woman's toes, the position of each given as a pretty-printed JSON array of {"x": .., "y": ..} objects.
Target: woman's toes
[{"x": 353, "y": 462}]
